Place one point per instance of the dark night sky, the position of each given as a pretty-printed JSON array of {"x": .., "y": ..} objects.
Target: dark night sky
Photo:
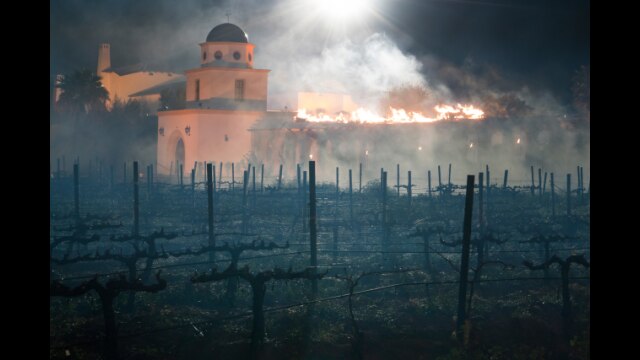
[
  {"x": 542, "y": 41},
  {"x": 537, "y": 42}
]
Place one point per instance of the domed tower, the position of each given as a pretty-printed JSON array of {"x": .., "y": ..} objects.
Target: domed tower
[
  {"x": 224, "y": 98},
  {"x": 226, "y": 79},
  {"x": 227, "y": 46}
]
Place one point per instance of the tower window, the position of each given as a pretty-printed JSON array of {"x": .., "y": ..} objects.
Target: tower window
[
  {"x": 218, "y": 55},
  {"x": 204, "y": 55},
  {"x": 249, "y": 56},
  {"x": 239, "y": 90},
  {"x": 198, "y": 90},
  {"x": 236, "y": 55}
]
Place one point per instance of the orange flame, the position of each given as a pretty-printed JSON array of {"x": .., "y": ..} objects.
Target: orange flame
[{"x": 398, "y": 116}]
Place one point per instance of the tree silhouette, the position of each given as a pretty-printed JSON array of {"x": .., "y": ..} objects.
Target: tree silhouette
[{"x": 82, "y": 92}]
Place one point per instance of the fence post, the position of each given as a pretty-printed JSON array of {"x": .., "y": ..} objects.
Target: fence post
[
  {"x": 481, "y": 216},
  {"x": 298, "y": 176},
  {"x": 439, "y": 181},
  {"x": 533, "y": 185},
  {"x": 245, "y": 187},
  {"x": 409, "y": 187},
  {"x": 350, "y": 199},
  {"x": 136, "y": 219},
  {"x": 360, "y": 179},
  {"x": 581, "y": 185},
  {"x": 464, "y": 262},
  {"x": 398, "y": 178},
  {"x": 193, "y": 187},
  {"x": 302, "y": 201},
  {"x": 76, "y": 192},
  {"x": 220, "y": 177},
  {"x": 553, "y": 197},
  {"x": 578, "y": 188},
  {"x": 213, "y": 181},
  {"x": 568, "y": 194},
  {"x": 384, "y": 217},
  {"x": 540, "y": 182},
  {"x": 212, "y": 238},
  {"x": 312, "y": 225},
  {"x": 488, "y": 181}
]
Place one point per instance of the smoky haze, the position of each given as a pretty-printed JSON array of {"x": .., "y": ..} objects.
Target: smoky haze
[{"x": 305, "y": 52}]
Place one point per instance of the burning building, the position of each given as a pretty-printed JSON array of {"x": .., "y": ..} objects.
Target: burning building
[{"x": 225, "y": 119}]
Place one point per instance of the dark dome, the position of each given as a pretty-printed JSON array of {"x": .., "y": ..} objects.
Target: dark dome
[{"x": 227, "y": 32}]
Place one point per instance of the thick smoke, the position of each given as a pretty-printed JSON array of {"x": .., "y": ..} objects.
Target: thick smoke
[
  {"x": 366, "y": 70},
  {"x": 373, "y": 66}
]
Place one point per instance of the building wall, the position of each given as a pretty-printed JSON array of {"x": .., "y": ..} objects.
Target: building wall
[
  {"x": 120, "y": 87},
  {"x": 327, "y": 103},
  {"x": 215, "y": 136},
  {"x": 221, "y": 82}
]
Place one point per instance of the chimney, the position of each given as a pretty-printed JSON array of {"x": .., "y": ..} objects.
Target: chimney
[{"x": 104, "y": 58}]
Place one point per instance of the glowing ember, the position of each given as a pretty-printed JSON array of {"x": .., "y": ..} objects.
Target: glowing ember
[{"x": 398, "y": 116}]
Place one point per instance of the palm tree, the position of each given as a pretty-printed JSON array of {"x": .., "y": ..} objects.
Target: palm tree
[{"x": 82, "y": 92}]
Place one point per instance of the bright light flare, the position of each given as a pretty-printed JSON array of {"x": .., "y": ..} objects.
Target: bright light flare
[
  {"x": 471, "y": 146},
  {"x": 518, "y": 141},
  {"x": 340, "y": 10},
  {"x": 311, "y": 156}
]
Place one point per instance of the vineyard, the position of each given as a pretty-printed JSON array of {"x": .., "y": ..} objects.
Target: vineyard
[{"x": 206, "y": 265}]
